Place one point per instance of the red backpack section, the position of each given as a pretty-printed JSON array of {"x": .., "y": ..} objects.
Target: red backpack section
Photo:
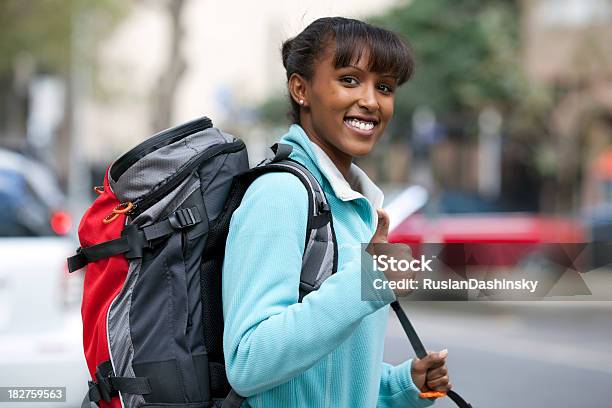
[{"x": 102, "y": 222}]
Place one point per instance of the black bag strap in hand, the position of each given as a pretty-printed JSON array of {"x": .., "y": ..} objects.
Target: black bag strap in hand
[{"x": 419, "y": 349}]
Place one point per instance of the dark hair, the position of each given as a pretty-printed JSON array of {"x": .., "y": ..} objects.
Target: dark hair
[{"x": 388, "y": 52}]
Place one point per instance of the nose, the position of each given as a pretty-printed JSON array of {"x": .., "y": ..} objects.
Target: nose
[{"x": 367, "y": 99}]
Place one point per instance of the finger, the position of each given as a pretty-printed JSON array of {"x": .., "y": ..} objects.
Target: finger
[
  {"x": 436, "y": 373},
  {"x": 435, "y": 363},
  {"x": 435, "y": 360},
  {"x": 422, "y": 364},
  {"x": 440, "y": 384},
  {"x": 382, "y": 228}
]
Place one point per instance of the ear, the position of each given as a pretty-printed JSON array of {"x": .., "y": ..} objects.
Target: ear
[{"x": 298, "y": 89}]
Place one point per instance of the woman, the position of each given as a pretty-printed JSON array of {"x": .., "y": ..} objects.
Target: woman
[{"x": 327, "y": 350}]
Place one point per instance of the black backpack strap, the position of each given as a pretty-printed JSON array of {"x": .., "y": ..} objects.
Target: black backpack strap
[
  {"x": 233, "y": 400},
  {"x": 108, "y": 385},
  {"x": 133, "y": 239},
  {"x": 93, "y": 253}
]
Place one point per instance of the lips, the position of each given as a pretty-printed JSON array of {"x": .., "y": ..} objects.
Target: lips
[
  {"x": 358, "y": 124},
  {"x": 363, "y": 118},
  {"x": 362, "y": 128}
]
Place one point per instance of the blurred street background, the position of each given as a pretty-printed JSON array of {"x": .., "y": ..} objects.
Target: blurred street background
[
  {"x": 504, "y": 134},
  {"x": 515, "y": 354}
]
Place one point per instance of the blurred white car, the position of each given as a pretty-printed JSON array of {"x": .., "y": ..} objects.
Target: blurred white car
[{"x": 40, "y": 327}]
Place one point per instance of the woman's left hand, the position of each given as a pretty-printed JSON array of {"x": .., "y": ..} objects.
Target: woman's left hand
[{"x": 430, "y": 373}]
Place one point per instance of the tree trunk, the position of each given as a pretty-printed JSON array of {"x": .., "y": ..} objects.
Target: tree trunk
[{"x": 163, "y": 95}]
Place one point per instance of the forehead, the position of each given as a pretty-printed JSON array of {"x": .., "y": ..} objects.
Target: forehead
[{"x": 332, "y": 59}]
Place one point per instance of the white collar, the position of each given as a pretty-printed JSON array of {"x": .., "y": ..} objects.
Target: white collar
[{"x": 358, "y": 184}]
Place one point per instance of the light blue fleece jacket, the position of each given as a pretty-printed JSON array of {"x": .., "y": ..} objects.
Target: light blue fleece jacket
[{"x": 326, "y": 351}]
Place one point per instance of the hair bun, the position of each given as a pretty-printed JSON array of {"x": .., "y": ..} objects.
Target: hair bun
[{"x": 286, "y": 50}]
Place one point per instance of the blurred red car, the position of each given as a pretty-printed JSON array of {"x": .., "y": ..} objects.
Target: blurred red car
[{"x": 494, "y": 238}]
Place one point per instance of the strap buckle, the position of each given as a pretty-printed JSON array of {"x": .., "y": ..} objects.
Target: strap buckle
[
  {"x": 185, "y": 217},
  {"x": 324, "y": 207},
  {"x": 108, "y": 385},
  {"x": 105, "y": 387}
]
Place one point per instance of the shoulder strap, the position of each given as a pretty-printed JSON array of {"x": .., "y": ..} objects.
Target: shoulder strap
[{"x": 320, "y": 259}]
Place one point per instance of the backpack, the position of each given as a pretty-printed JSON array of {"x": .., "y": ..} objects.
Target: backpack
[{"x": 153, "y": 242}]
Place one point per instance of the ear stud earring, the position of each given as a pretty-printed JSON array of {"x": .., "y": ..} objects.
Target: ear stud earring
[{"x": 301, "y": 101}]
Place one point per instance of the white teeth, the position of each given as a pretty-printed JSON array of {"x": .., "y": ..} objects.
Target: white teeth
[{"x": 360, "y": 124}]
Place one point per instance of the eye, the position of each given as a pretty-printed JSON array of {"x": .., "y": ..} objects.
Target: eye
[
  {"x": 349, "y": 80},
  {"x": 386, "y": 89}
]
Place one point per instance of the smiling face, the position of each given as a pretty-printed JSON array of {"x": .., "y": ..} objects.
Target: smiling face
[{"x": 345, "y": 110}]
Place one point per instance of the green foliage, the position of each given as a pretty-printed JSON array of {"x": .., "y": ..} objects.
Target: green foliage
[
  {"x": 468, "y": 56},
  {"x": 275, "y": 110},
  {"x": 42, "y": 29}
]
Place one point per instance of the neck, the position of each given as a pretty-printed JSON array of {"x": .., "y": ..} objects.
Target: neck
[{"x": 341, "y": 160}]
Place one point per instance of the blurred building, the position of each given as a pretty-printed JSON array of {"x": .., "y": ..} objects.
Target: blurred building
[
  {"x": 567, "y": 46},
  {"x": 231, "y": 51},
  {"x": 568, "y": 41}
]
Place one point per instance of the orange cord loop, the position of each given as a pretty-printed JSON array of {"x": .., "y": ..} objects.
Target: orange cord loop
[
  {"x": 432, "y": 394},
  {"x": 123, "y": 208},
  {"x": 110, "y": 218}
]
